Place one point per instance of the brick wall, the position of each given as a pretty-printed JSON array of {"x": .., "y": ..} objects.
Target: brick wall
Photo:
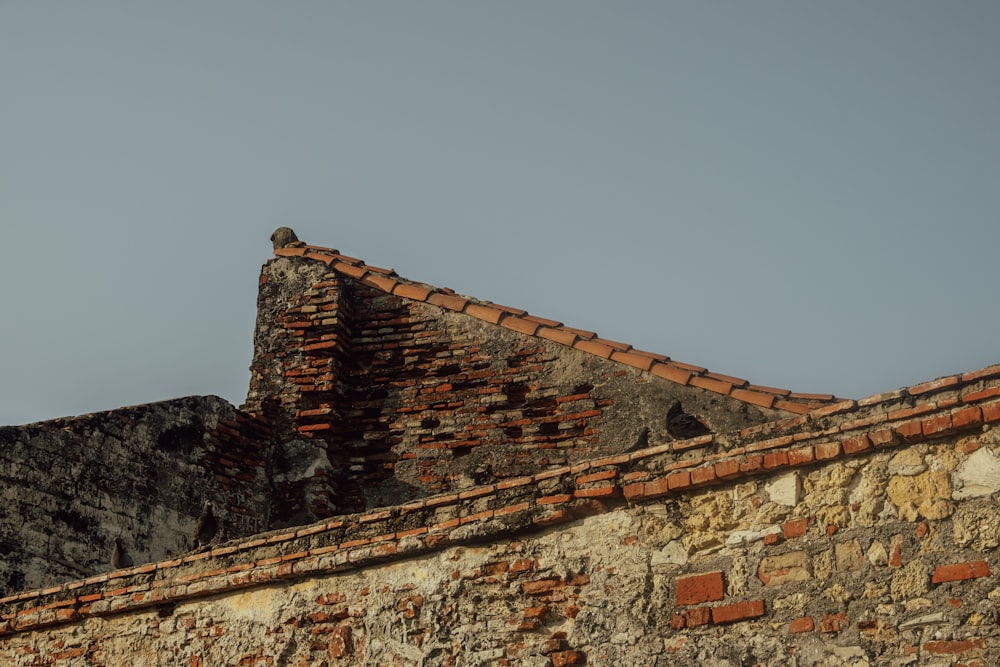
[{"x": 402, "y": 395}]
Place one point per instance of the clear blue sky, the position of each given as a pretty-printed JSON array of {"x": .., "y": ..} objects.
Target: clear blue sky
[{"x": 802, "y": 194}]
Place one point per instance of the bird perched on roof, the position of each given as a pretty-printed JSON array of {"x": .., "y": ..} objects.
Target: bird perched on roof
[
  {"x": 681, "y": 425},
  {"x": 119, "y": 555},
  {"x": 283, "y": 236},
  {"x": 205, "y": 527}
]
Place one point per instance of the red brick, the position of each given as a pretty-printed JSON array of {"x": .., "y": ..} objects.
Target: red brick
[
  {"x": 801, "y": 624},
  {"x": 541, "y": 586},
  {"x": 597, "y": 476},
  {"x": 940, "y": 383},
  {"x": 703, "y": 475},
  {"x": 960, "y": 571},
  {"x": 726, "y": 469},
  {"x": 698, "y": 616},
  {"x": 656, "y": 487},
  {"x": 597, "y": 492},
  {"x": 827, "y": 450},
  {"x": 967, "y": 417},
  {"x": 679, "y": 480},
  {"x": 699, "y": 588},
  {"x": 634, "y": 490},
  {"x": 882, "y": 437},
  {"x": 833, "y": 622},
  {"x": 738, "y": 612},
  {"x": 752, "y": 463},
  {"x": 801, "y": 456},
  {"x": 775, "y": 460},
  {"x": 896, "y": 552},
  {"x": 550, "y": 500},
  {"x": 677, "y": 621},
  {"x": 954, "y": 646},
  {"x": 935, "y": 425},
  {"x": 910, "y": 430},
  {"x": 772, "y": 538},
  {"x": 564, "y": 658},
  {"x": 857, "y": 444},
  {"x": 794, "y": 528},
  {"x": 978, "y": 395},
  {"x": 991, "y": 411}
]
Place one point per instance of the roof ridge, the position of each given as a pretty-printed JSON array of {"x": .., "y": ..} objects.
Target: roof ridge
[{"x": 583, "y": 340}]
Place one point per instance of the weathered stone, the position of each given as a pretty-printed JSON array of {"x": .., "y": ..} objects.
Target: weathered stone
[
  {"x": 926, "y": 495},
  {"x": 910, "y": 581},
  {"x": 777, "y": 570},
  {"x": 849, "y": 556},
  {"x": 977, "y": 527},
  {"x": 877, "y": 555},
  {"x": 785, "y": 490},
  {"x": 978, "y": 475}
]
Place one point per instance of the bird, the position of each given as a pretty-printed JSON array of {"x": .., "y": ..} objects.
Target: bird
[
  {"x": 681, "y": 425},
  {"x": 119, "y": 556},
  {"x": 205, "y": 527},
  {"x": 283, "y": 236}
]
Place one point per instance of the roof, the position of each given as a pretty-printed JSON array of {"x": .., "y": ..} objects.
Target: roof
[{"x": 516, "y": 319}]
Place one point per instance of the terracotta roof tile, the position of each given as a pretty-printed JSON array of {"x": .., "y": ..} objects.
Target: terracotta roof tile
[
  {"x": 350, "y": 269},
  {"x": 488, "y": 313},
  {"x": 736, "y": 382},
  {"x": 382, "y": 282},
  {"x": 448, "y": 301},
  {"x": 594, "y": 347},
  {"x": 543, "y": 321},
  {"x": 614, "y": 344},
  {"x": 583, "y": 340},
  {"x": 559, "y": 335},
  {"x": 582, "y": 333},
  {"x": 755, "y": 397},
  {"x": 718, "y": 386},
  {"x": 689, "y": 367},
  {"x": 411, "y": 291},
  {"x": 670, "y": 371},
  {"x": 519, "y": 324},
  {"x": 632, "y": 359},
  {"x": 768, "y": 390}
]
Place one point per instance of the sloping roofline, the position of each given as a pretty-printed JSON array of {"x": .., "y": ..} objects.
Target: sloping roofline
[{"x": 516, "y": 319}]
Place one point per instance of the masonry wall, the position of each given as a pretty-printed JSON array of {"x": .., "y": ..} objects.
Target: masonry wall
[
  {"x": 382, "y": 397},
  {"x": 865, "y": 533},
  {"x": 70, "y": 486},
  {"x": 843, "y": 572}
]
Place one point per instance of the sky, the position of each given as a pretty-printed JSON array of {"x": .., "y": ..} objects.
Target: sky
[{"x": 801, "y": 194}]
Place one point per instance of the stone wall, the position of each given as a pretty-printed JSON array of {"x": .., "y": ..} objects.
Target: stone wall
[
  {"x": 71, "y": 486},
  {"x": 863, "y": 533}
]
